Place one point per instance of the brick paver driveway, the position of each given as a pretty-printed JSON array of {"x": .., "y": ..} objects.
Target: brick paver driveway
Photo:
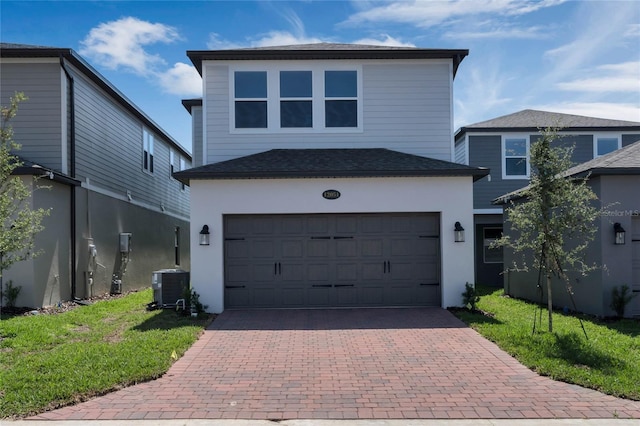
[{"x": 352, "y": 364}]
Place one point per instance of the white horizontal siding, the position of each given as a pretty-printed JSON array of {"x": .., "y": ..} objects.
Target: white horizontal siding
[{"x": 406, "y": 107}]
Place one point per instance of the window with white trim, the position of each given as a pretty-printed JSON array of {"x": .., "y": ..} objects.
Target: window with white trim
[
  {"x": 515, "y": 157},
  {"x": 250, "y": 89},
  {"x": 147, "y": 151},
  {"x": 183, "y": 166},
  {"x": 605, "y": 144},
  {"x": 172, "y": 159},
  {"x": 289, "y": 98}
]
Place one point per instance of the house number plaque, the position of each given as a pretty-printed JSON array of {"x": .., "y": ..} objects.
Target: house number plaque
[{"x": 331, "y": 194}]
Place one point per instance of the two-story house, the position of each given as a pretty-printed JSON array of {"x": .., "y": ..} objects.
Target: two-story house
[
  {"x": 615, "y": 179},
  {"x": 326, "y": 179},
  {"x": 502, "y": 145},
  {"x": 105, "y": 168}
]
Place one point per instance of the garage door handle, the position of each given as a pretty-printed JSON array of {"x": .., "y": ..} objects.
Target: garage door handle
[
  {"x": 343, "y": 285},
  {"x": 342, "y": 238},
  {"x": 388, "y": 266},
  {"x": 277, "y": 268},
  {"x": 320, "y": 238},
  {"x": 233, "y": 286},
  {"x": 429, "y": 284},
  {"x": 321, "y": 285}
]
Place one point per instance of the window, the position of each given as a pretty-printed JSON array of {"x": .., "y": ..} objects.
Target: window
[
  {"x": 286, "y": 99},
  {"x": 515, "y": 152},
  {"x": 172, "y": 163},
  {"x": 176, "y": 245},
  {"x": 341, "y": 98},
  {"x": 296, "y": 99},
  {"x": 605, "y": 145},
  {"x": 183, "y": 166},
  {"x": 491, "y": 255},
  {"x": 250, "y": 99},
  {"x": 147, "y": 148}
]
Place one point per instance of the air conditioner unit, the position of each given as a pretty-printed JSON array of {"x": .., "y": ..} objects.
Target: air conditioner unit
[{"x": 169, "y": 286}]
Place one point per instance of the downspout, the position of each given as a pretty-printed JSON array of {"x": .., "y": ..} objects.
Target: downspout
[{"x": 72, "y": 174}]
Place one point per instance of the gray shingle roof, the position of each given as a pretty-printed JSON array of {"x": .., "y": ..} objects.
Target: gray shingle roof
[
  {"x": 532, "y": 120},
  {"x": 326, "y": 51},
  {"x": 316, "y": 163},
  {"x": 624, "y": 161}
]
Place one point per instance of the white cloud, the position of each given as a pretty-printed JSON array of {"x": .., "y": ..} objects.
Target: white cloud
[
  {"x": 424, "y": 14},
  {"x": 533, "y": 33},
  {"x": 386, "y": 40},
  {"x": 182, "y": 80},
  {"x": 624, "y": 77},
  {"x": 217, "y": 43},
  {"x": 121, "y": 44},
  {"x": 613, "y": 111},
  {"x": 282, "y": 38}
]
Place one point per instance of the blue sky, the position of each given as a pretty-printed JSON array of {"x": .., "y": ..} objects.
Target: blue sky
[{"x": 577, "y": 57}]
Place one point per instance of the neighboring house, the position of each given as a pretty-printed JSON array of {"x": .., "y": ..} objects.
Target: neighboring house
[
  {"x": 615, "y": 179},
  {"x": 325, "y": 178},
  {"x": 117, "y": 214},
  {"x": 502, "y": 145}
]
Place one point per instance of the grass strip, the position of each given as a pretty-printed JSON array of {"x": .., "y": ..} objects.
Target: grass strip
[
  {"x": 48, "y": 361},
  {"x": 608, "y": 361}
]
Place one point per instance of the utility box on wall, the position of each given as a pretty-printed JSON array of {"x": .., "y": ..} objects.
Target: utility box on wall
[{"x": 169, "y": 286}]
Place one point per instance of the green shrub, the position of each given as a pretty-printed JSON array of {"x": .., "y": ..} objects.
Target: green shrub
[
  {"x": 470, "y": 297},
  {"x": 620, "y": 298}
]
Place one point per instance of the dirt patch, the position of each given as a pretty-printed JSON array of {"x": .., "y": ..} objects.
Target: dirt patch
[{"x": 60, "y": 307}]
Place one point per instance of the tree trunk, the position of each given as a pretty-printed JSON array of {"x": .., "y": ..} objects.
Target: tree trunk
[{"x": 549, "y": 299}]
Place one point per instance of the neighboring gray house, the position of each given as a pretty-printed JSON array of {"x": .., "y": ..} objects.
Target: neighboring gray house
[
  {"x": 615, "y": 179},
  {"x": 502, "y": 145},
  {"x": 117, "y": 212},
  {"x": 325, "y": 178}
]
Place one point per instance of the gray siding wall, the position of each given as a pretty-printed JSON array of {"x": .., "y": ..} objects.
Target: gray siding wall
[
  {"x": 109, "y": 153},
  {"x": 406, "y": 107},
  {"x": 460, "y": 152},
  {"x": 196, "y": 131},
  {"x": 38, "y": 124},
  {"x": 629, "y": 139},
  {"x": 486, "y": 151},
  {"x": 152, "y": 242}
]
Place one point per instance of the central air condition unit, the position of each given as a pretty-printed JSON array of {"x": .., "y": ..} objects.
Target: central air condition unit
[{"x": 169, "y": 286}]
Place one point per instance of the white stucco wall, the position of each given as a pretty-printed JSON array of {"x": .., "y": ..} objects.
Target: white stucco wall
[{"x": 452, "y": 197}]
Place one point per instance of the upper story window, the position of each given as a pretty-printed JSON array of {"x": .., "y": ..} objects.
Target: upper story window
[
  {"x": 341, "y": 98},
  {"x": 515, "y": 157},
  {"x": 285, "y": 99},
  {"x": 172, "y": 159},
  {"x": 250, "y": 99},
  {"x": 183, "y": 166},
  {"x": 296, "y": 99},
  {"x": 147, "y": 151},
  {"x": 605, "y": 144}
]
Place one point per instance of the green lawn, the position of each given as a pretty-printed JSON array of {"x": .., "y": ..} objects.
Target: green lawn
[
  {"x": 53, "y": 360},
  {"x": 609, "y": 361}
]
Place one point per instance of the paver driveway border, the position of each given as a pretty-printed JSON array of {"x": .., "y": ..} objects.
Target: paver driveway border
[{"x": 413, "y": 363}]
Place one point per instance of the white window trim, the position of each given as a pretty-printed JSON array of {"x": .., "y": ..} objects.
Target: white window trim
[
  {"x": 172, "y": 159},
  {"x": 524, "y": 136},
  {"x": 597, "y": 136},
  {"x": 273, "y": 97}
]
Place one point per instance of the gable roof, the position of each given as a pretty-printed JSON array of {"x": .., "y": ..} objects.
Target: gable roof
[
  {"x": 624, "y": 161},
  {"x": 15, "y": 50},
  {"x": 532, "y": 120},
  {"x": 318, "y": 163},
  {"x": 325, "y": 51}
]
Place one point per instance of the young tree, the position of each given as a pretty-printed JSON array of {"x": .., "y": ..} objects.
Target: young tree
[
  {"x": 555, "y": 219},
  {"x": 19, "y": 223}
]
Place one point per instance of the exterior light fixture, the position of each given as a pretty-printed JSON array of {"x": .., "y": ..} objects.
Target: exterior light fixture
[
  {"x": 204, "y": 236},
  {"x": 458, "y": 233},
  {"x": 619, "y": 233}
]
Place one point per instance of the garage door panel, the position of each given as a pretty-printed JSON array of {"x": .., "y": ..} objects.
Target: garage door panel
[{"x": 326, "y": 260}]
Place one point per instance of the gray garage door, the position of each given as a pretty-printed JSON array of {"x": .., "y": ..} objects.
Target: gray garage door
[{"x": 332, "y": 260}]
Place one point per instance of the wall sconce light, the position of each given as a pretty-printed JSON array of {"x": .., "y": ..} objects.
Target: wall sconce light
[
  {"x": 458, "y": 232},
  {"x": 204, "y": 236},
  {"x": 619, "y": 233}
]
